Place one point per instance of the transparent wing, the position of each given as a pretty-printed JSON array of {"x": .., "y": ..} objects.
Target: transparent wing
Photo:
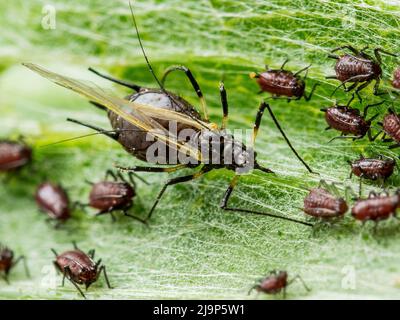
[{"x": 135, "y": 113}]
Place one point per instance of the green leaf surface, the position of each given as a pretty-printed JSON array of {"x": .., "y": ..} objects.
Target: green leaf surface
[{"x": 193, "y": 249}]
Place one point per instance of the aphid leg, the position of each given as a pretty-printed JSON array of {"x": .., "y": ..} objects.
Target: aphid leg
[
  {"x": 74, "y": 244},
  {"x": 394, "y": 146},
  {"x": 333, "y": 56},
  {"x": 297, "y": 277},
  {"x": 362, "y": 51},
  {"x": 67, "y": 274},
  {"x": 356, "y": 78},
  {"x": 257, "y": 122},
  {"x": 377, "y": 52},
  {"x": 110, "y": 173},
  {"x": 5, "y": 278},
  {"x": 373, "y": 138},
  {"x": 346, "y": 137},
  {"x": 121, "y": 82},
  {"x": 225, "y": 199},
  {"x": 25, "y": 265},
  {"x": 361, "y": 87},
  {"x": 132, "y": 181},
  {"x": 224, "y": 103},
  {"x": 151, "y": 169},
  {"x": 331, "y": 77},
  {"x": 307, "y": 98},
  {"x": 302, "y": 70},
  {"x": 322, "y": 183},
  {"x": 194, "y": 83},
  {"x": 103, "y": 269},
  {"x": 55, "y": 252},
  {"x": 91, "y": 253},
  {"x": 371, "y": 105},
  {"x": 253, "y": 288},
  {"x": 173, "y": 181},
  {"x": 376, "y": 88},
  {"x": 265, "y": 105},
  {"x": 282, "y": 66},
  {"x": 112, "y": 135},
  {"x": 126, "y": 214},
  {"x": 352, "y": 49},
  {"x": 89, "y": 182},
  {"x": 109, "y": 210}
]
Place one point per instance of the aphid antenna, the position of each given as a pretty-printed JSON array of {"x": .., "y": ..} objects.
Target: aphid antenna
[
  {"x": 298, "y": 277},
  {"x": 152, "y": 70},
  {"x": 89, "y": 135},
  {"x": 54, "y": 251},
  {"x": 252, "y": 288},
  {"x": 286, "y": 138}
]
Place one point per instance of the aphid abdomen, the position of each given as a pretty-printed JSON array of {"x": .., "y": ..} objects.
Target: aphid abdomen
[
  {"x": 373, "y": 168},
  {"x": 6, "y": 259},
  {"x": 391, "y": 126},
  {"x": 274, "y": 283},
  {"x": 346, "y": 120},
  {"x": 132, "y": 138},
  {"x": 82, "y": 268},
  {"x": 321, "y": 204},
  {"x": 53, "y": 200},
  {"x": 105, "y": 195},
  {"x": 375, "y": 208},
  {"x": 13, "y": 155},
  {"x": 281, "y": 83},
  {"x": 348, "y": 66}
]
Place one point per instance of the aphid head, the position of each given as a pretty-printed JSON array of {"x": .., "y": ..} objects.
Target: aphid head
[
  {"x": 6, "y": 254},
  {"x": 88, "y": 275},
  {"x": 282, "y": 275},
  {"x": 341, "y": 206},
  {"x": 298, "y": 87}
]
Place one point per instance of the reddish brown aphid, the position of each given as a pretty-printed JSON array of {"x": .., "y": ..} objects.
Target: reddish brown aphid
[
  {"x": 14, "y": 155},
  {"x": 348, "y": 120},
  {"x": 79, "y": 268},
  {"x": 372, "y": 168},
  {"x": 391, "y": 127},
  {"x": 282, "y": 82},
  {"x": 358, "y": 68},
  {"x": 320, "y": 203},
  {"x": 53, "y": 200},
  {"x": 396, "y": 79},
  {"x": 7, "y": 262},
  {"x": 376, "y": 207},
  {"x": 276, "y": 282},
  {"x": 110, "y": 196}
]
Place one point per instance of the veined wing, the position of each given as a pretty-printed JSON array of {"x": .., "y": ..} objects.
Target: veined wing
[{"x": 135, "y": 113}]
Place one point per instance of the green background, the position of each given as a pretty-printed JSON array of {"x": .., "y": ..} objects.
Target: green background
[{"x": 193, "y": 249}]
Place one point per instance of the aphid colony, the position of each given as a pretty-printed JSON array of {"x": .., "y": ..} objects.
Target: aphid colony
[{"x": 146, "y": 109}]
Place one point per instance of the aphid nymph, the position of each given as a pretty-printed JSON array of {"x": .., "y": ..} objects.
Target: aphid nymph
[
  {"x": 276, "y": 282},
  {"x": 281, "y": 82},
  {"x": 358, "y": 68},
  {"x": 79, "y": 268},
  {"x": 8, "y": 262}
]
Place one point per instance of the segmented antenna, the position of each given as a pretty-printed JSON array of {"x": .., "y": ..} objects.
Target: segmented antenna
[
  {"x": 153, "y": 73},
  {"x": 142, "y": 48}
]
